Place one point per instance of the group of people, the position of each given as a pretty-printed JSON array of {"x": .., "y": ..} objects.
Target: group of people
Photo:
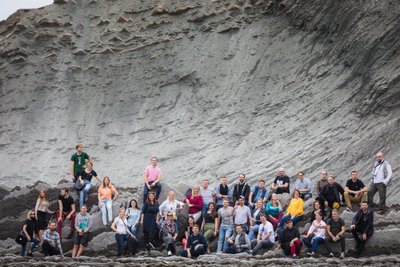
[{"x": 241, "y": 218}]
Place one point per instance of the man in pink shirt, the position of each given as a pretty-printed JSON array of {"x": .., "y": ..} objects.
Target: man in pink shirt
[{"x": 152, "y": 177}]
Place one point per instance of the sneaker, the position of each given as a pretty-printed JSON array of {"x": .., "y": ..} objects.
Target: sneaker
[
  {"x": 151, "y": 245},
  {"x": 309, "y": 254},
  {"x": 331, "y": 255},
  {"x": 349, "y": 209},
  {"x": 342, "y": 255},
  {"x": 29, "y": 254},
  {"x": 314, "y": 255},
  {"x": 169, "y": 253},
  {"x": 250, "y": 252}
]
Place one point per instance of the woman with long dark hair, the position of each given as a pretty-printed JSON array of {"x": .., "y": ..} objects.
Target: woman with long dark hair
[
  {"x": 133, "y": 214},
  {"x": 149, "y": 220},
  {"x": 210, "y": 224}
]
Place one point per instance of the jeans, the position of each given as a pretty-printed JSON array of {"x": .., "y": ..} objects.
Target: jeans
[
  {"x": 134, "y": 231},
  {"x": 60, "y": 223},
  {"x": 106, "y": 210},
  {"x": 224, "y": 233},
  {"x": 253, "y": 233},
  {"x": 30, "y": 245},
  {"x": 122, "y": 241},
  {"x": 314, "y": 246},
  {"x": 84, "y": 192},
  {"x": 204, "y": 209},
  {"x": 342, "y": 241},
  {"x": 234, "y": 250},
  {"x": 146, "y": 190},
  {"x": 261, "y": 243}
]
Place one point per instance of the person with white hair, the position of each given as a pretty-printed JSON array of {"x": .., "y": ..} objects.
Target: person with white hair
[
  {"x": 281, "y": 183},
  {"x": 381, "y": 174}
]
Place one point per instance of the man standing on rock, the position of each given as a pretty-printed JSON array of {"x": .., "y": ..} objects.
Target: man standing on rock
[
  {"x": 83, "y": 225},
  {"x": 241, "y": 189},
  {"x": 362, "y": 227},
  {"x": 78, "y": 161},
  {"x": 281, "y": 183},
  {"x": 207, "y": 194},
  {"x": 381, "y": 174},
  {"x": 152, "y": 177},
  {"x": 355, "y": 191}
]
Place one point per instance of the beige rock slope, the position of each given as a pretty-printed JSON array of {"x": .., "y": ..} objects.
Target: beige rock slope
[{"x": 213, "y": 87}]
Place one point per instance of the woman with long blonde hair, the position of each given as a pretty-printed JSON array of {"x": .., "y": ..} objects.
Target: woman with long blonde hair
[{"x": 41, "y": 211}]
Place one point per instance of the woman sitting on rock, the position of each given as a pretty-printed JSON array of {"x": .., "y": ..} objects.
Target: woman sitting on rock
[
  {"x": 274, "y": 210},
  {"x": 41, "y": 211},
  {"x": 316, "y": 234},
  {"x": 149, "y": 220},
  {"x": 29, "y": 230},
  {"x": 195, "y": 203},
  {"x": 317, "y": 208},
  {"x": 122, "y": 234},
  {"x": 258, "y": 210},
  {"x": 170, "y": 205},
  {"x": 133, "y": 214},
  {"x": 85, "y": 178},
  {"x": 105, "y": 197},
  {"x": 169, "y": 232},
  {"x": 209, "y": 225}
]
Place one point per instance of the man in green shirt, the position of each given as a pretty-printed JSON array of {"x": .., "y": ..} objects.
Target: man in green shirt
[{"x": 78, "y": 161}]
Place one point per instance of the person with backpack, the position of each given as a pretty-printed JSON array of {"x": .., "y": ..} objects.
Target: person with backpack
[
  {"x": 381, "y": 174},
  {"x": 259, "y": 192}
]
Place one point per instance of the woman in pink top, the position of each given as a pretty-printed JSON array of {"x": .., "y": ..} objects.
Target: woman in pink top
[
  {"x": 105, "y": 196},
  {"x": 195, "y": 203}
]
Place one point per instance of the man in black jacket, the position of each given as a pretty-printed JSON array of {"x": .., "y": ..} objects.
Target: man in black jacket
[
  {"x": 331, "y": 193},
  {"x": 241, "y": 189},
  {"x": 362, "y": 227},
  {"x": 196, "y": 244}
]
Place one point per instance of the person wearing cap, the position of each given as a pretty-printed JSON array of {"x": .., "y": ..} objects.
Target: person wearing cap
[{"x": 290, "y": 240}]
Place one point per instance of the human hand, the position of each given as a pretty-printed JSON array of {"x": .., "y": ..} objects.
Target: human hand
[
  {"x": 364, "y": 237},
  {"x": 68, "y": 217}
]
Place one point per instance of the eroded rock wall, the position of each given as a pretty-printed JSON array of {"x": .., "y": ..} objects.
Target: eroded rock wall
[{"x": 212, "y": 87}]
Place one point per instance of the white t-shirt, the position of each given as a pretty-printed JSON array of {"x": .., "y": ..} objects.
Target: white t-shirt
[
  {"x": 120, "y": 225},
  {"x": 266, "y": 228}
]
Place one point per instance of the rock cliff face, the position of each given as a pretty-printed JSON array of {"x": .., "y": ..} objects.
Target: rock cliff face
[{"x": 212, "y": 87}]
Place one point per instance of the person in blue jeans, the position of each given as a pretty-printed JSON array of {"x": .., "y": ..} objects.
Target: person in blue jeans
[
  {"x": 133, "y": 215},
  {"x": 225, "y": 216},
  {"x": 28, "y": 229},
  {"x": 122, "y": 234},
  {"x": 315, "y": 235},
  {"x": 85, "y": 178}
]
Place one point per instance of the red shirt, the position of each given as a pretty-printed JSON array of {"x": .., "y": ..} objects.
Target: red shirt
[{"x": 197, "y": 202}]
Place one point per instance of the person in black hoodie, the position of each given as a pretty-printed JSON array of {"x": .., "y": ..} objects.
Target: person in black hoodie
[
  {"x": 196, "y": 244},
  {"x": 331, "y": 194},
  {"x": 241, "y": 189},
  {"x": 362, "y": 227},
  {"x": 290, "y": 240}
]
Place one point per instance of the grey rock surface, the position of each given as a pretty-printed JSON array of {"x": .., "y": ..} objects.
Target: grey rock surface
[{"x": 211, "y": 87}]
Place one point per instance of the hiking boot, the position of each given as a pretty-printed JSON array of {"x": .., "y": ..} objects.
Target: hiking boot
[
  {"x": 169, "y": 253},
  {"x": 349, "y": 209},
  {"x": 331, "y": 255},
  {"x": 342, "y": 255}
]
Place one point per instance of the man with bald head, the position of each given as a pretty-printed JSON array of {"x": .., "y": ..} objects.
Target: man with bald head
[
  {"x": 381, "y": 174},
  {"x": 281, "y": 183}
]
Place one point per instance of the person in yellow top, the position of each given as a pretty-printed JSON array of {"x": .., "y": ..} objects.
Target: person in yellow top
[{"x": 294, "y": 212}]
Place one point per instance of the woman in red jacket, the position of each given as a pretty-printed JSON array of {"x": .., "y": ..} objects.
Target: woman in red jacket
[{"x": 195, "y": 203}]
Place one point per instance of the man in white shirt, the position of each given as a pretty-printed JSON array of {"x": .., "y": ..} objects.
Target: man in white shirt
[
  {"x": 381, "y": 174},
  {"x": 265, "y": 238}
]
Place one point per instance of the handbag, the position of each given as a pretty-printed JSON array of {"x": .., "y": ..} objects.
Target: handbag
[{"x": 21, "y": 239}]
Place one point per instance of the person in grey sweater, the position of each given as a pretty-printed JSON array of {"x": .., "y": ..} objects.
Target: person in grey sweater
[{"x": 83, "y": 224}]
